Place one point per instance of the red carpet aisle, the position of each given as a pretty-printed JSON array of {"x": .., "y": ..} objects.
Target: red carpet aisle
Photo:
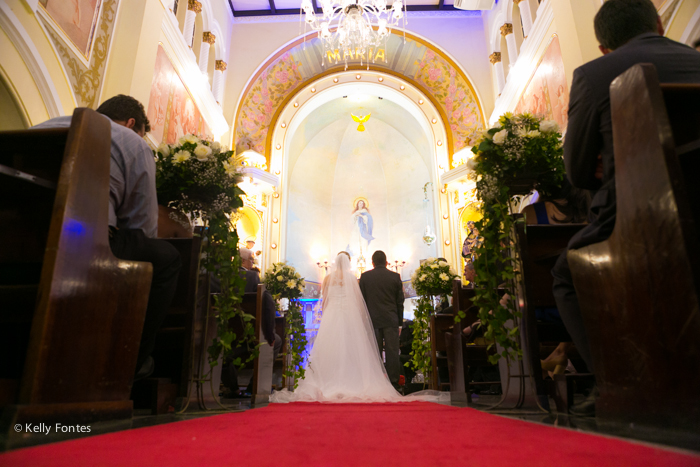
[{"x": 287, "y": 435}]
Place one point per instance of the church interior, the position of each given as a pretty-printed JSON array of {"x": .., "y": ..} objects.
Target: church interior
[{"x": 360, "y": 148}]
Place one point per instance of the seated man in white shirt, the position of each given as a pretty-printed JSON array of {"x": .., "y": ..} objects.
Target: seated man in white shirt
[{"x": 133, "y": 212}]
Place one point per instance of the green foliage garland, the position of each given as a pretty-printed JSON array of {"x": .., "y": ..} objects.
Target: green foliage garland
[
  {"x": 283, "y": 281},
  {"x": 433, "y": 278},
  {"x": 521, "y": 153},
  {"x": 200, "y": 178}
]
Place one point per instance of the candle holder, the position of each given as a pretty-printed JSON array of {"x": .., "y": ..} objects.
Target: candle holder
[
  {"x": 323, "y": 265},
  {"x": 397, "y": 266}
]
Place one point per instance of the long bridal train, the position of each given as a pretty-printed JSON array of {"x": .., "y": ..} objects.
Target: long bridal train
[{"x": 344, "y": 364}]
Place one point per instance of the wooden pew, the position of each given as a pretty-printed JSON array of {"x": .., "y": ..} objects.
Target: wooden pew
[
  {"x": 638, "y": 290},
  {"x": 72, "y": 314},
  {"x": 439, "y": 325},
  {"x": 263, "y": 364},
  {"x": 281, "y": 361},
  {"x": 460, "y": 356},
  {"x": 540, "y": 246},
  {"x": 178, "y": 349}
]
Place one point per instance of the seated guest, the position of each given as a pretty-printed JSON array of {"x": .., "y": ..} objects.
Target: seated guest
[
  {"x": 567, "y": 205},
  {"x": 629, "y": 32},
  {"x": 133, "y": 212}
]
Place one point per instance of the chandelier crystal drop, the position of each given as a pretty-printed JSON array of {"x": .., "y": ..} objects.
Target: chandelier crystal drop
[{"x": 354, "y": 29}]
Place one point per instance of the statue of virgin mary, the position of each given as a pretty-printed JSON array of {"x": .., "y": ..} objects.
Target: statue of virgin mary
[{"x": 362, "y": 225}]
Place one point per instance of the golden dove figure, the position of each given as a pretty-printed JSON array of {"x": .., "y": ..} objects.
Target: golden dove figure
[{"x": 361, "y": 120}]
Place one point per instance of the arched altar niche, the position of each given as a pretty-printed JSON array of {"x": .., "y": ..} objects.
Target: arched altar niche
[
  {"x": 418, "y": 62},
  {"x": 327, "y": 166}
]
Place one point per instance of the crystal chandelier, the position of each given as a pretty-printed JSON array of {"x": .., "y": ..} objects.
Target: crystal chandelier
[{"x": 346, "y": 30}]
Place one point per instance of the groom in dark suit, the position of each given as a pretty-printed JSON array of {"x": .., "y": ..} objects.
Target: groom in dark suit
[
  {"x": 629, "y": 32},
  {"x": 383, "y": 293}
]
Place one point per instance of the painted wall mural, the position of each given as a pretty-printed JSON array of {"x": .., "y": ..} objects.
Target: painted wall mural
[
  {"x": 171, "y": 109},
  {"x": 547, "y": 94},
  {"x": 427, "y": 67},
  {"x": 77, "y": 19},
  {"x": 85, "y": 73}
]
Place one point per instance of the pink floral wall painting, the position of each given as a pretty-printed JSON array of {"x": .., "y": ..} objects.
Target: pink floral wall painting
[
  {"x": 428, "y": 68},
  {"x": 171, "y": 109},
  {"x": 547, "y": 94}
]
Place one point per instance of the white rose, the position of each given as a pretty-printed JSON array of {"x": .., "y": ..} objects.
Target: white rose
[
  {"x": 215, "y": 146},
  {"x": 189, "y": 139},
  {"x": 500, "y": 137},
  {"x": 433, "y": 266},
  {"x": 280, "y": 278},
  {"x": 444, "y": 277},
  {"x": 430, "y": 260},
  {"x": 471, "y": 164},
  {"x": 533, "y": 134},
  {"x": 181, "y": 156},
  {"x": 549, "y": 126},
  {"x": 202, "y": 151},
  {"x": 443, "y": 264},
  {"x": 164, "y": 149}
]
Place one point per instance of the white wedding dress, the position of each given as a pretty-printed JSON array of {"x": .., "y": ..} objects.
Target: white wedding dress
[{"x": 344, "y": 364}]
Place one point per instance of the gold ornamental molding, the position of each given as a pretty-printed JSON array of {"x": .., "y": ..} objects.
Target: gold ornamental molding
[
  {"x": 194, "y": 5},
  {"x": 495, "y": 58},
  {"x": 220, "y": 66},
  {"x": 209, "y": 38},
  {"x": 506, "y": 29}
]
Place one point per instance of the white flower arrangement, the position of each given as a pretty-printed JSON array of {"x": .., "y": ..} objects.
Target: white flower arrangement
[
  {"x": 198, "y": 177},
  {"x": 433, "y": 277},
  {"x": 283, "y": 281}
]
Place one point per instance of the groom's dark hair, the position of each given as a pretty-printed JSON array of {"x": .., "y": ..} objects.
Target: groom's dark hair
[{"x": 379, "y": 259}]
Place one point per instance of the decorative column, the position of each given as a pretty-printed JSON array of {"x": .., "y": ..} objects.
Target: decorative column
[
  {"x": 495, "y": 59},
  {"x": 218, "y": 85},
  {"x": 193, "y": 8},
  {"x": 525, "y": 15},
  {"x": 507, "y": 32},
  {"x": 207, "y": 41}
]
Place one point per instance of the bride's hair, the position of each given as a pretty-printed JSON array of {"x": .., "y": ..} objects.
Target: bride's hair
[{"x": 344, "y": 253}]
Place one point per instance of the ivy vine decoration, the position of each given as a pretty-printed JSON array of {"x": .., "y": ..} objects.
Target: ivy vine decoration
[
  {"x": 432, "y": 282},
  {"x": 283, "y": 281},
  {"x": 200, "y": 178},
  {"x": 522, "y": 153}
]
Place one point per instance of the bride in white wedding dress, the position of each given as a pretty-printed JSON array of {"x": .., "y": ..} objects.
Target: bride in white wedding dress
[{"x": 344, "y": 364}]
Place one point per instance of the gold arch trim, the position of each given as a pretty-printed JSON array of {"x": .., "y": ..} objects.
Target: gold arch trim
[{"x": 351, "y": 68}]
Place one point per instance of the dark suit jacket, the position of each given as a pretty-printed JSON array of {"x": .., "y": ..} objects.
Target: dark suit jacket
[
  {"x": 589, "y": 131},
  {"x": 383, "y": 293},
  {"x": 252, "y": 279}
]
